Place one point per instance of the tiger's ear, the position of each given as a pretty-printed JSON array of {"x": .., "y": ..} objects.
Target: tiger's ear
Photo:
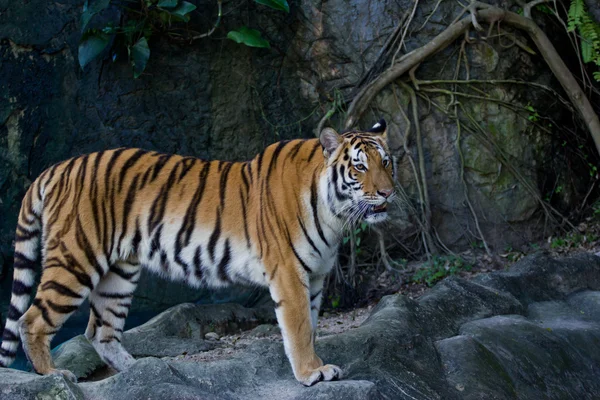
[
  {"x": 379, "y": 128},
  {"x": 330, "y": 140}
]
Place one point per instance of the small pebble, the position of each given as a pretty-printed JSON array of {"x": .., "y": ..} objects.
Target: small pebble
[{"x": 212, "y": 336}]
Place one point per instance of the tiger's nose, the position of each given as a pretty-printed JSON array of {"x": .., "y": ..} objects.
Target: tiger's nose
[{"x": 385, "y": 192}]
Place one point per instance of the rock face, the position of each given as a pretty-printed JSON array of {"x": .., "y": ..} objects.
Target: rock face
[
  {"x": 528, "y": 333},
  {"x": 217, "y": 99}
]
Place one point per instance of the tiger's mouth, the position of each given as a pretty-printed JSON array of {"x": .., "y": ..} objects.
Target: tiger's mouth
[{"x": 375, "y": 210}]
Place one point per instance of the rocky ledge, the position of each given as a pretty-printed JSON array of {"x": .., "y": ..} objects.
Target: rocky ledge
[{"x": 531, "y": 332}]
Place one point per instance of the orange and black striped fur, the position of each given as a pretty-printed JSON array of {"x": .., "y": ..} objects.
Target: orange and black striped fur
[{"x": 274, "y": 221}]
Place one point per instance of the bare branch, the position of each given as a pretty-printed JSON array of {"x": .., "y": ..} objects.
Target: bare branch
[
  {"x": 527, "y": 7},
  {"x": 547, "y": 50}
]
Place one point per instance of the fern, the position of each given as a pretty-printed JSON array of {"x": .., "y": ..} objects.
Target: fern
[{"x": 589, "y": 32}]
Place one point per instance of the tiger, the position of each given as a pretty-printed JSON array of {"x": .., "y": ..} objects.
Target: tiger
[{"x": 275, "y": 221}]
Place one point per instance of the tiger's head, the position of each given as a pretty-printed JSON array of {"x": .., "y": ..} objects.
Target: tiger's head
[{"x": 360, "y": 171}]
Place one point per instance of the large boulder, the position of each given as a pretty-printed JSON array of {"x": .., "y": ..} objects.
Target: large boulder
[{"x": 531, "y": 332}]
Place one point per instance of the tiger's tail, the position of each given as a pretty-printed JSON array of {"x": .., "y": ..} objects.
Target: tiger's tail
[{"x": 27, "y": 243}]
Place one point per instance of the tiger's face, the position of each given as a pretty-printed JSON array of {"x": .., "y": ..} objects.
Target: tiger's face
[{"x": 361, "y": 173}]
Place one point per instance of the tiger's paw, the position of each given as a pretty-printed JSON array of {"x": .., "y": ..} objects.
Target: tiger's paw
[
  {"x": 327, "y": 372},
  {"x": 68, "y": 375}
]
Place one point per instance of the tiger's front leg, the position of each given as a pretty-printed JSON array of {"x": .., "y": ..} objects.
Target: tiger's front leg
[{"x": 290, "y": 292}]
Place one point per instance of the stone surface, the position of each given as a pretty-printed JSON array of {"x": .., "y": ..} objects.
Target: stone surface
[
  {"x": 18, "y": 385},
  {"x": 180, "y": 330},
  {"x": 528, "y": 333}
]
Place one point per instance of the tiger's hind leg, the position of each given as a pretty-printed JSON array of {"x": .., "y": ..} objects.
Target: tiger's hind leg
[
  {"x": 59, "y": 294},
  {"x": 109, "y": 305}
]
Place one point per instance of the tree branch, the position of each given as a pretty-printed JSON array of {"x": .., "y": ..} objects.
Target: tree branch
[{"x": 489, "y": 14}]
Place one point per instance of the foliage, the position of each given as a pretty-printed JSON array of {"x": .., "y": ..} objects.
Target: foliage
[
  {"x": 589, "y": 32},
  {"x": 358, "y": 233},
  {"x": 249, "y": 37},
  {"x": 572, "y": 241},
  {"x": 145, "y": 18},
  {"x": 438, "y": 268}
]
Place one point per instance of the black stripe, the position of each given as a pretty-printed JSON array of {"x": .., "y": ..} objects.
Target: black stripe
[
  {"x": 9, "y": 336},
  {"x": 310, "y": 241},
  {"x": 37, "y": 303},
  {"x": 95, "y": 312},
  {"x": 84, "y": 244},
  {"x": 214, "y": 236},
  {"x": 60, "y": 288},
  {"x": 223, "y": 182},
  {"x": 313, "y": 205},
  {"x": 314, "y": 150},
  {"x": 164, "y": 263},
  {"x": 137, "y": 238},
  {"x": 24, "y": 235},
  {"x": 73, "y": 267},
  {"x": 158, "y": 206},
  {"x": 94, "y": 193},
  {"x": 314, "y": 296},
  {"x": 189, "y": 221},
  {"x": 124, "y": 275},
  {"x": 198, "y": 263},
  {"x": 109, "y": 167},
  {"x": 22, "y": 262},
  {"x": 8, "y": 354},
  {"x": 245, "y": 218},
  {"x": 61, "y": 309},
  {"x": 244, "y": 179},
  {"x": 110, "y": 339},
  {"x": 274, "y": 272},
  {"x": 117, "y": 314},
  {"x": 155, "y": 243},
  {"x": 163, "y": 159},
  {"x": 275, "y": 156},
  {"x": 306, "y": 267},
  {"x": 224, "y": 264},
  {"x": 249, "y": 167},
  {"x": 188, "y": 163},
  {"x": 115, "y": 295},
  {"x": 338, "y": 195},
  {"x": 129, "y": 200},
  {"x": 19, "y": 288},
  {"x": 13, "y": 313},
  {"x": 259, "y": 163},
  {"x": 292, "y": 154}
]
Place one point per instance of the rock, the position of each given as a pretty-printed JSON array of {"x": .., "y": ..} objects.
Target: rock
[
  {"x": 78, "y": 356},
  {"x": 180, "y": 330},
  {"x": 212, "y": 336},
  {"x": 528, "y": 333},
  {"x": 18, "y": 385},
  {"x": 265, "y": 330}
]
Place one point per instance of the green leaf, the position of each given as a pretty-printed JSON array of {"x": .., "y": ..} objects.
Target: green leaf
[
  {"x": 249, "y": 37},
  {"x": 90, "y": 11},
  {"x": 182, "y": 10},
  {"x": 275, "y": 4},
  {"x": 92, "y": 44},
  {"x": 140, "y": 53},
  {"x": 587, "y": 51},
  {"x": 167, "y": 3}
]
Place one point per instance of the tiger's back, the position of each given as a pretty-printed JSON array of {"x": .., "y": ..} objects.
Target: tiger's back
[{"x": 99, "y": 218}]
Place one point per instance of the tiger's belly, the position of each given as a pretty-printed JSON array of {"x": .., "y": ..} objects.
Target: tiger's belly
[{"x": 205, "y": 258}]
